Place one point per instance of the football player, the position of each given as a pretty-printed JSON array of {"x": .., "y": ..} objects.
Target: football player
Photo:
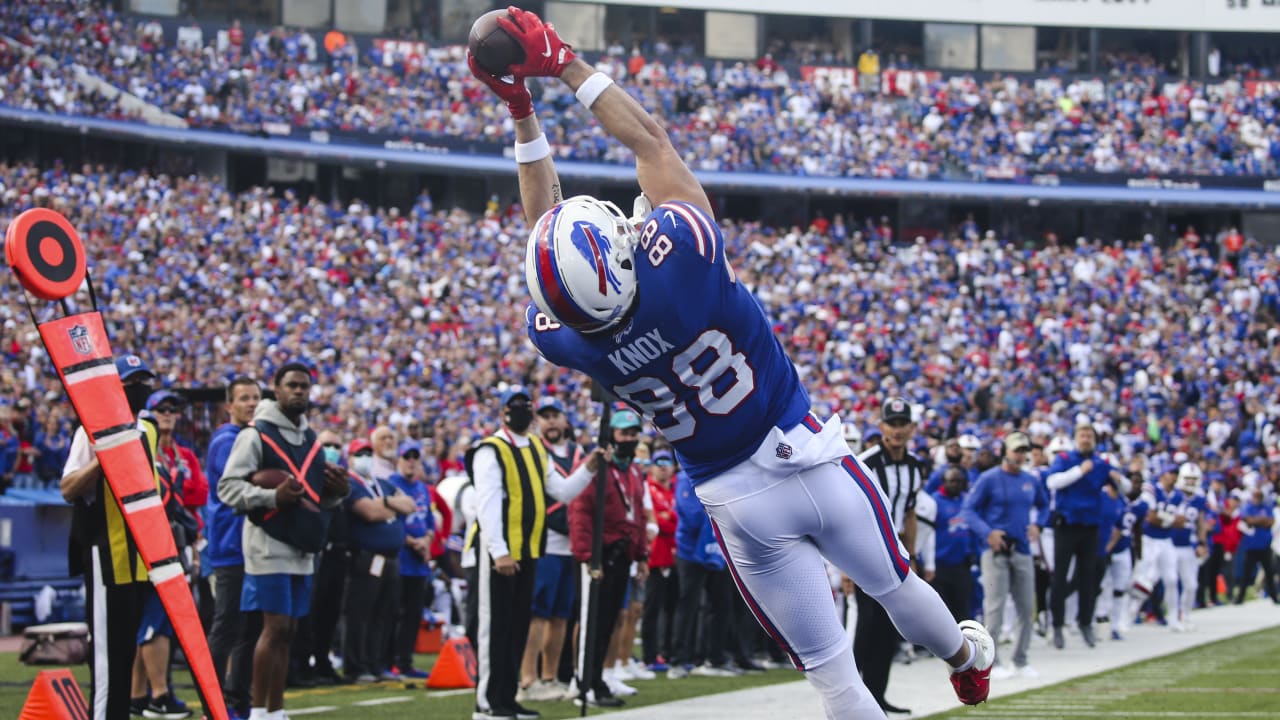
[
  {"x": 1191, "y": 540},
  {"x": 649, "y": 307},
  {"x": 1159, "y": 562}
]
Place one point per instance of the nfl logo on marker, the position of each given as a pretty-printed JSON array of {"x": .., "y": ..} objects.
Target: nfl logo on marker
[
  {"x": 79, "y": 335},
  {"x": 783, "y": 451}
]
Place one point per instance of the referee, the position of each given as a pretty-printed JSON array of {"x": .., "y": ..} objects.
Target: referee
[{"x": 901, "y": 476}]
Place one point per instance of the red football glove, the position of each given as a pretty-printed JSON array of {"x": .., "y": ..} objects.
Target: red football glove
[
  {"x": 546, "y": 55},
  {"x": 514, "y": 93}
]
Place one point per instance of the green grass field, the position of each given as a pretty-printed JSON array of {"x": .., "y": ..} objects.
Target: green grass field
[
  {"x": 1234, "y": 678},
  {"x": 395, "y": 701}
]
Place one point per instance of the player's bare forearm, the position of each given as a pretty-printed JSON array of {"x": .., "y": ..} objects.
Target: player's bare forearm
[
  {"x": 539, "y": 183},
  {"x": 662, "y": 174}
]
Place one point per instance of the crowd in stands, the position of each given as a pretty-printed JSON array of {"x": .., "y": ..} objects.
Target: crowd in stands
[{"x": 730, "y": 116}]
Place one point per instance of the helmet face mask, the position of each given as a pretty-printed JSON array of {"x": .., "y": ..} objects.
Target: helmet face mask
[{"x": 579, "y": 264}]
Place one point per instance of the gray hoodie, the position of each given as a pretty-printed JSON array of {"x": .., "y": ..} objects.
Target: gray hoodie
[{"x": 263, "y": 554}]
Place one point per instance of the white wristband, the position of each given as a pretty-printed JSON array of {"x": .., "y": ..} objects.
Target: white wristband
[
  {"x": 591, "y": 88},
  {"x": 534, "y": 150}
]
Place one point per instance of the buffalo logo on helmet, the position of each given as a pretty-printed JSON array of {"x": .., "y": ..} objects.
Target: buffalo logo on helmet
[
  {"x": 80, "y": 342},
  {"x": 595, "y": 247}
]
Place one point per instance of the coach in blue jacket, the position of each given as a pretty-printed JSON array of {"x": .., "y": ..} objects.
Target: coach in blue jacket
[
  {"x": 233, "y": 633},
  {"x": 1076, "y": 478},
  {"x": 999, "y": 511}
]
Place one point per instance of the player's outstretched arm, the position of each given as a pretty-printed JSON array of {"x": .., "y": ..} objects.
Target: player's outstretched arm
[
  {"x": 662, "y": 173},
  {"x": 539, "y": 184}
]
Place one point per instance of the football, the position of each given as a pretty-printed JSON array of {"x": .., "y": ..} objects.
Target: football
[
  {"x": 271, "y": 478},
  {"x": 492, "y": 47}
]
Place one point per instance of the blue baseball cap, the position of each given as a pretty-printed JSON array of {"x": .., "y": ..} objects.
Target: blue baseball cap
[
  {"x": 130, "y": 365},
  {"x": 513, "y": 392},
  {"x": 409, "y": 446},
  {"x": 549, "y": 402},
  {"x": 160, "y": 396},
  {"x": 623, "y": 419}
]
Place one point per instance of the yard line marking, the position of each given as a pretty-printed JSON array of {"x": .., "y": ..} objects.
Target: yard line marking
[
  {"x": 448, "y": 693},
  {"x": 312, "y": 710},
  {"x": 382, "y": 701}
]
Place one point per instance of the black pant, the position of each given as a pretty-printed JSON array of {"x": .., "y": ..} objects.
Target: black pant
[
  {"x": 369, "y": 610},
  {"x": 233, "y": 636},
  {"x": 1079, "y": 542},
  {"x": 114, "y": 612},
  {"x": 695, "y": 580},
  {"x": 661, "y": 598},
  {"x": 1252, "y": 559},
  {"x": 875, "y": 642},
  {"x": 954, "y": 584},
  {"x": 326, "y": 605},
  {"x": 413, "y": 593},
  {"x": 1207, "y": 590},
  {"x": 504, "y": 607},
  {"x": 611, "y": 590}
]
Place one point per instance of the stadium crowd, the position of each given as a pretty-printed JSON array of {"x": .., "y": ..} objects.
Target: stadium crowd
[
  {"x": 738, "y": 116},
  {"x": 1165, "y": 346}
]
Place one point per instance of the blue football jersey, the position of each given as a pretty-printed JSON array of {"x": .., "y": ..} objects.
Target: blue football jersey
[
  {"x": 697, "y": 357},
  {"x": 1160, "y": 501},
  {"x": 1130, "y": 521},
  {"x": 1193, "y": 508}
]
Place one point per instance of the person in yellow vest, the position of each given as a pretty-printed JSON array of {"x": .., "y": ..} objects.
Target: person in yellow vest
[
  {"x": 869, "y": 70},
  {"x": 512, "y": 476},
  {"x": 121, "y": 599}
]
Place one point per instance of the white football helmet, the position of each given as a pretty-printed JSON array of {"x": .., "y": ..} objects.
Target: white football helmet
[
  {"x": 852, "y": 437},
  {"x": 579, "y": 264},
  {"x": 1189, "y": 477}
]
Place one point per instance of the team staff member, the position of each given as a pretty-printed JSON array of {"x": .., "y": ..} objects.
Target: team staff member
[
  {"x": 415, "y": 558},
  {"x": 661, "y": 591},
  {"x": 377, "y": 510},
  {"x": 1076, "y": 479},
  {"x": 999, "y": 510},
  {"x": 513, "y": 476},
  {"x": 624, "y": 542},
  {"x": 901, "y": 476},
  {"x": 288, "y": 525},
  {"x": 101, "y": 547},
  {"x": 233, "y": 632},
  {"x": 954, "y": 545}
]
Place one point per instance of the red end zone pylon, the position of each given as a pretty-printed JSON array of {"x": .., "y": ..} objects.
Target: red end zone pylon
[
  {"x": 48, "y": 258},
  {"x": 455, "y": 668},
  {"x": 55, "y": 695}
]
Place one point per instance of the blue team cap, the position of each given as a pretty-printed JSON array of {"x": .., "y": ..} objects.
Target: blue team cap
[
  {"x": 623, "y": 419},
  {"x": 409, "y": 446},
  {"x": 161, "y": 396},
  {"x": 514, "y": 392},
  {"x": 549, "y": 402},
  {"x": 130, "y": 365}
]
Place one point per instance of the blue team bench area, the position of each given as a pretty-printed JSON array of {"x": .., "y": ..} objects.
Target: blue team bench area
[{"x": 34, "y": 526}]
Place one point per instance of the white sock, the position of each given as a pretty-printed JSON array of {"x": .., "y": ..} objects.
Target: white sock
[
  {"x": 258, "y": 713},
  {"x": 973, "y": 655}
]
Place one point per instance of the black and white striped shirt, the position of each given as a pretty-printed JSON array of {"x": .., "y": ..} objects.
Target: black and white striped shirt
[{"x": 899, "y": 479}]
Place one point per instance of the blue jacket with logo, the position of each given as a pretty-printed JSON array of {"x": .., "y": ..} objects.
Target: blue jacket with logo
[
  {"x": 1080, "y": 503},
  {"x": 222, "y": 523},
  {"x": 695, "y": 538}
]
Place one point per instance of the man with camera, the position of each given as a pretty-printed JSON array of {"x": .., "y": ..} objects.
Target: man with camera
[{"x": 999, "y": 509}]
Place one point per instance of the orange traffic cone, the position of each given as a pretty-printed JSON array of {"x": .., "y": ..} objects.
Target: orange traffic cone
[
  {"x": 455, "y": 668},
  {"x": 55, "y": 695},
  {"x": 1222, "y": 585},
  {"x": 430, "y": 638}
]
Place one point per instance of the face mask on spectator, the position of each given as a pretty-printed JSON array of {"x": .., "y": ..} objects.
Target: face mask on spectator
[
  {"x": 137, "y": 394},
  {"x": 362, "y": 465},
  {"x": 519, "y": 417},
  {"x": 625, "y": 450}
]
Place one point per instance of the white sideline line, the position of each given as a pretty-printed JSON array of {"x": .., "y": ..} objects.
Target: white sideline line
[
  {"x": 312, "y": 710},
  {"x": 383, "y": 701}
]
